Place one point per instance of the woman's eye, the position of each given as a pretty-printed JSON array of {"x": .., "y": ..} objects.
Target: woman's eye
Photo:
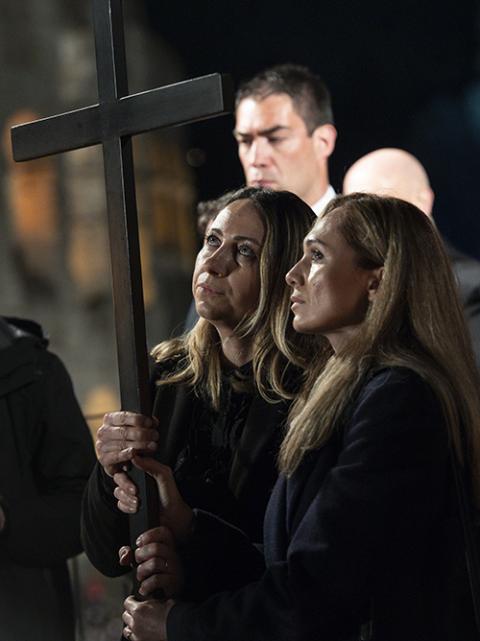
[
  {"x": 211, "y": 239},
  {"x": 316, "y": 255},
  {"x": 246, "y": 251}
]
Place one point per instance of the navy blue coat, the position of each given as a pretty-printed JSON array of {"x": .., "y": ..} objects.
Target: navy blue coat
[{"x": 364, "y": 536}]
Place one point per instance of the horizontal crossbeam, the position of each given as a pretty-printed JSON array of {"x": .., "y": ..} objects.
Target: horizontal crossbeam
[{"x": 178, "y": 104}]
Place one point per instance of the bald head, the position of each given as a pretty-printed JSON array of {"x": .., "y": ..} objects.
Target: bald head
[{"x": 391, "y": 172}]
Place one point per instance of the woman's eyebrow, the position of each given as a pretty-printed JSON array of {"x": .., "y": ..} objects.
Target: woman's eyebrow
[
  {"x": 313, "y": 240},
  {"x": 236, "y": 238},
  {"x": 252, "y": 240}
]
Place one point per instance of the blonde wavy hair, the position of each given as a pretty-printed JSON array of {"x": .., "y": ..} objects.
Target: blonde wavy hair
[
  {"x": 415, "y": 321},
  {"x": 276, "y": 346}
]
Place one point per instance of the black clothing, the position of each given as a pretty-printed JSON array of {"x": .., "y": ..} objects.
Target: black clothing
[
  {"x": 202, "y": 468},
  {"x": 365, "y": 530},
  {"x": 223, "y": 461},
  {"x": 467, "y": 272},
  {"x": 45, "y": 460}
]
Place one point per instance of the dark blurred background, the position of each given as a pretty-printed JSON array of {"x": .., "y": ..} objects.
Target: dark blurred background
[{"x": 403, "y": 74}]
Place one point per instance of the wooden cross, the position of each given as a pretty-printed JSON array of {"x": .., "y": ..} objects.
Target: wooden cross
[{"x": 112, "y": 122}]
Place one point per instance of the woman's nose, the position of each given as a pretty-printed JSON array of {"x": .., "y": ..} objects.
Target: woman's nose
[
  {"x": 217, "y": 263},
  {"x": 293, "y": 276}
]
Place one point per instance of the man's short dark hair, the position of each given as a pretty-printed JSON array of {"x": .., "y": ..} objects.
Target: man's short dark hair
[{"x": 308, "y": 92}]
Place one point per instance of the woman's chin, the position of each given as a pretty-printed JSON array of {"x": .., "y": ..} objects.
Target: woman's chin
[
  {"x": 208, "y": 314},
  {"x": 203, "y": 309},
  {"x": 301, "y": 326}
]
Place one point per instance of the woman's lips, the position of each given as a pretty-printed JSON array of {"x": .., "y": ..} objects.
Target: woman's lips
[
  {"x": 296, "y": 301},
  {"x": 208, "y": 289}
]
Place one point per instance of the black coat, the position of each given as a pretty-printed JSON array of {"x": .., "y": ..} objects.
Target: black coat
[
  {"x": 251, "y": 477},
  {"x": 364, "y": 533},
  {"x": 467, "y": 272},
  {"x": 46, "y": 456}
]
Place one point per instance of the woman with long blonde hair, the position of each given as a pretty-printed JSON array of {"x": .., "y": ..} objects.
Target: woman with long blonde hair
[
  {"x": 221, "y": 391},
  {"x": 363, "y": 535},
  {"x": 413, "y": 321}
]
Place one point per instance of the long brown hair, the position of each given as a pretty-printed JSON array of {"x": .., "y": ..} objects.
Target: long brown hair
[
  {"x": 276, "y": 346},
  {"x": 415, "y": 321}
]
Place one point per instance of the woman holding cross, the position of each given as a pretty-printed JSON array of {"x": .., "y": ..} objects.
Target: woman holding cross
[{"x": 221, "y": 392}]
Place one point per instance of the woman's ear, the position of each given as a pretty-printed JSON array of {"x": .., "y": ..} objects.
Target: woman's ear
[
  {"x": 324, "y": 138},
  {"x": 374, "y": 283}
]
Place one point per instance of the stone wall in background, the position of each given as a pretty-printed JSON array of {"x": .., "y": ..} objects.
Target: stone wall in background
[
  {"x": 54, "y": 241},
  {"x": 54, "y": 254}
]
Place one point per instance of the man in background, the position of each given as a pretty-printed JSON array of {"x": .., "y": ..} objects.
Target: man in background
[
  {"x": 285, "y": 133},
  {"x": 394, "y": 172}
]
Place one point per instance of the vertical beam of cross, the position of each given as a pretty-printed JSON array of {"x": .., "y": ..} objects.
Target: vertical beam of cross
[
  {"x": 112, "y": 122},
  {"x": 124, "y": 242}
]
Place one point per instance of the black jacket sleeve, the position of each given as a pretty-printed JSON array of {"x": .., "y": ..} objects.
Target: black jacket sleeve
[
  {"x": 213, "y": 545},
  {"x": 43, "y": 524},
  {"x": 357, "y": 518},
  {"x": 104, "y": 528}
]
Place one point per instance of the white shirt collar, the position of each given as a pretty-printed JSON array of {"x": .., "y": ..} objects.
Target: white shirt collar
[{"x": 320, "y": 205}]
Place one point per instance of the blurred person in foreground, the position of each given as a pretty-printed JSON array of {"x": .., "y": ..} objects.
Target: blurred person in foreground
[{"x": 45, "y": 460}]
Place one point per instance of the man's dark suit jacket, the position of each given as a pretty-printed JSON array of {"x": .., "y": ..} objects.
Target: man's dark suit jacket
[
  {"x": 467, "y": 272},
  {"x": 364, "y": 535}
]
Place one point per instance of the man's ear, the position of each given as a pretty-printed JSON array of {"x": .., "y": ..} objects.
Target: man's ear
[
  {"x": 425, "y": 200},
  {"x": 324, "y": 138},
  {"x": 374, "y": 283}
]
